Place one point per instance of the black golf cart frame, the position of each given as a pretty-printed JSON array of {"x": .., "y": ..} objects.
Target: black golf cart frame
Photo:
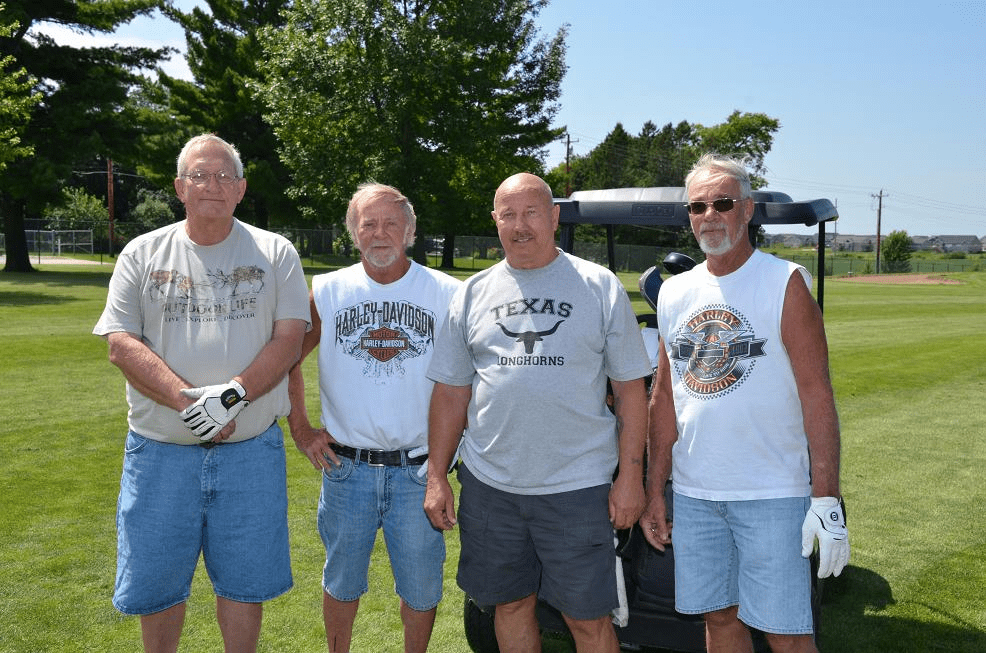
[{"x": 665, "y": 207}]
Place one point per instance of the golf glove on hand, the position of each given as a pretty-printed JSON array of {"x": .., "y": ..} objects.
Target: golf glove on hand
[
  {"x": 826, "y": 522},
  {"x": 216, "y": 407}
]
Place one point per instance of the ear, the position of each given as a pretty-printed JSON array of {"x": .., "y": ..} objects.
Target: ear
[
  {"x": 180, "y": 189},
  {"x": 555, "y": 214},
  {"x": 748, "y": 209},
  {"x": 242, "y": 186}
]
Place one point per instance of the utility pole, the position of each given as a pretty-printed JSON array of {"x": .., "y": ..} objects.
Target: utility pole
[
  {"x": 879, "y": 211},
  {"x": 109, "y": 199},
  {"x": 568, "y": 169}
]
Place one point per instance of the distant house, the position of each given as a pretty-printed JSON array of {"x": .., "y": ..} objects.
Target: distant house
[
  {"x": 851, "y": 243},
  {"x": 920, "y": 242},
  {"x": 792, "y": 240},
  {"x": 967, "y": 244}
]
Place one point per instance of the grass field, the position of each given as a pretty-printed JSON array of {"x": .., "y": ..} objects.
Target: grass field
[{"x": 909, "y": 367}]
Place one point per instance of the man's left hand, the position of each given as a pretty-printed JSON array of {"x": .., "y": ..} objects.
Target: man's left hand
[
  {"x": 826, "y": 522},
  {"x": 216, "y": 406}
]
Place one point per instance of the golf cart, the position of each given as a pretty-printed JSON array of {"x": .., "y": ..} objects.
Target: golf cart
[{"x": 648, "y": 574}]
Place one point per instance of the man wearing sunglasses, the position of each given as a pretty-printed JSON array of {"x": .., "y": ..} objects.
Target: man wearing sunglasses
[{"x": 743, "y": 420}]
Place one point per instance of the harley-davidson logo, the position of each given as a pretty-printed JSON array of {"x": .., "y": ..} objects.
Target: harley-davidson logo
[
  {"x": 383, "y": 343},
  {"x": 714, "y": 351}
]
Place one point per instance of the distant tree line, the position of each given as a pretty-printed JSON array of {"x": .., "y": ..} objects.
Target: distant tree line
[{"x": 441, "y": 99}]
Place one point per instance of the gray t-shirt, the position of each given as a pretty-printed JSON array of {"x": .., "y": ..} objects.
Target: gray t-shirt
[
  {"x": 537, "y": 347},
  {"x": 207, "y": 311}
]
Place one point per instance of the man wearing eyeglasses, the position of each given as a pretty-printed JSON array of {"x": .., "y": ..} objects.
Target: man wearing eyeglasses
[
  {"x": 204, "y": 318},
  {"x": 743, "y": 420}
]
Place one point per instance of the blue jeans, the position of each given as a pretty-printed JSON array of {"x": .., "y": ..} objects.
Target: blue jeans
[
  {"x": 357, "y": 499},
  {"x": 745, "y": 553},
  {"x": 228, "y": 503}
]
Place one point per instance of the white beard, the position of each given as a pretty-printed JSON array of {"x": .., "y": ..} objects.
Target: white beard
[{"x": 724, "y": 245}]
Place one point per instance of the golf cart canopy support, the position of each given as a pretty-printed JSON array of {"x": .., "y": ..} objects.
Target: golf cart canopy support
[{"x": 665, "y": 207}]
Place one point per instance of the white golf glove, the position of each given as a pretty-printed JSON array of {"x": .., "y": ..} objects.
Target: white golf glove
[
  {"x": 826, "y": 522},
  {"x": 216, "y": 407},
  {"x": 423, "y": 449},
  {"x": 420, "y": 451}
]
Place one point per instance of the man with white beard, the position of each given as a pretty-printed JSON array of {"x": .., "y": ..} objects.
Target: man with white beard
[{"x": 743, "y": 420}]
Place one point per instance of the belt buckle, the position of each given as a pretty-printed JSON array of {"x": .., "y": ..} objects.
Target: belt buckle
[{"x": 370, "y": 460}]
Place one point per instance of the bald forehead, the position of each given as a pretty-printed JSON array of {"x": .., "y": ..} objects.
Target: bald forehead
[{"x": 524, "y": 183}]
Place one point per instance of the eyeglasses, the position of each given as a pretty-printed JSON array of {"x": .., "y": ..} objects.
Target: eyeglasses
[
  {"x": 200, "y": 178},
  {"x": 721, "y": 205}
]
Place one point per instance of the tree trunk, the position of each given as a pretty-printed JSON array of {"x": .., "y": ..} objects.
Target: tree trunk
[
  {"x": 448, "y": 252},
  {"x": 18, "y": 258}
]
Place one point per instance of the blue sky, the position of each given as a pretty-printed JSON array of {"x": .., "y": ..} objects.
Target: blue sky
[{"x": 871, "y": 95}]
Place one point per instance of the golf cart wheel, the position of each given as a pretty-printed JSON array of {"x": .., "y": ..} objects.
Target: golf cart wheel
[{"x": 480, "y": 632}]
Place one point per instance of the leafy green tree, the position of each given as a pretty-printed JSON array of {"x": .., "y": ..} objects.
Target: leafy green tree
[
  {"x": 155, "y": 209},
  {"x": 663, "y": 157},
  {"x": 76, "y": 210},
  {"x": 223, "y": 54},
  {"x": 16, "y": 102},
  {"x": 442, "y": 99},
  {"x": 896, "y": 252},
  {"x": 83, "y": 109}
]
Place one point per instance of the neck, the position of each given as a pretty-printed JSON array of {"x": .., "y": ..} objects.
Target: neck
[
  {"x": 389, "y": 274},
  {"x": 208, "y": 232},
  {"x": 731, "y": 261}
]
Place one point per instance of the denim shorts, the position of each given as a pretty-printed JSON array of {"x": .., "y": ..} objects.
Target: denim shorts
[
  {"x": 228, "y": 503},
  {"x": 357, "y": 499},
  {"x": 559, "y": 546},
  {"x": 745, "y": 553}
]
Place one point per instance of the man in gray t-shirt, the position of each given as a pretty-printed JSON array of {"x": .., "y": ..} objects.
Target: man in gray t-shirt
[{"x": 523, "y": 358}]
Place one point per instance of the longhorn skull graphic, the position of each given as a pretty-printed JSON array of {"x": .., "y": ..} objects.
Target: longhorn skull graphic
[{"x": 529, "y": 337}]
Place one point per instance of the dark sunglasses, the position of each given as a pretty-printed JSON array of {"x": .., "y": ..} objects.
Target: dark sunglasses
[{"x": 721, "y": 205}]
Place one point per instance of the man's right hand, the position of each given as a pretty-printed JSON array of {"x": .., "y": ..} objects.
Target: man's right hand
[
  {"x": 654, "y": 522},
  {"x": 316, "y": 444},
  {"x": 440, "y": 503}
]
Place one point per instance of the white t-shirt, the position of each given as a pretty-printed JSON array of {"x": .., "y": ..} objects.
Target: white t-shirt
[
  {"x": 207, "y": 311},
  {"x": 537, "y": 347},
  {"x": 375, "y": 346},
  {"x": 741, "y": 429}
]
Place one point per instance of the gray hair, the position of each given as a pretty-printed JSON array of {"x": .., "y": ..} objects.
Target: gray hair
[
  {"x": 369, "y": 191},
  {"x": 195, "y": 141},
  {"x": 727, "y": 165}
]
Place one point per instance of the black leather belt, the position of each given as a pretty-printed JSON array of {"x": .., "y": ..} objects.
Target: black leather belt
[{"x": 378, "y": 457}]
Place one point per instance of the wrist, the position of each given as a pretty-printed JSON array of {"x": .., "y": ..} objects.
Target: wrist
[{"x": 239, "y": 388}]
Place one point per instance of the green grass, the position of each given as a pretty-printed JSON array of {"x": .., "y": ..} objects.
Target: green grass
[{"x": 909, "y": 368}]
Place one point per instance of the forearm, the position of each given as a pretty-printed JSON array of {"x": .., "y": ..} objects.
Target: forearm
[
  {"x": 298, "y": 417},
  {"x": 274, "y": 361},
  {"x": 630, "y": 407},
  {"x": 824, "y": 449},
  {"x": 446, "y": 422},
  {"x": 147, "y": 372},
  {"x": 662, "y": 428}
]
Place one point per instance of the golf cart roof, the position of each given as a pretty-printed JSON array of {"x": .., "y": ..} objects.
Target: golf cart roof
[{"x": 666, "y": 207}]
